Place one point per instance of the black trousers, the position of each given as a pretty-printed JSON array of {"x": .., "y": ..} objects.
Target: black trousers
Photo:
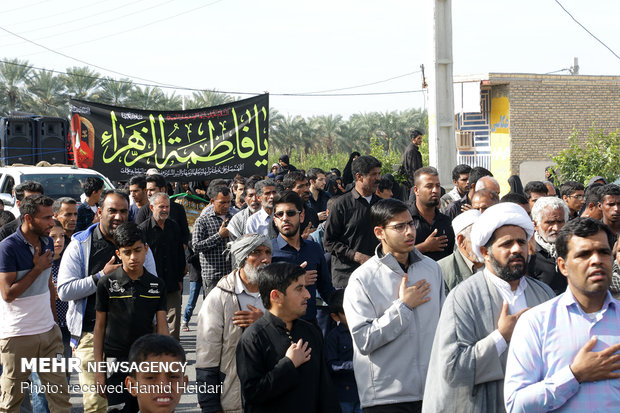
[{"x": 408, "y": 407}]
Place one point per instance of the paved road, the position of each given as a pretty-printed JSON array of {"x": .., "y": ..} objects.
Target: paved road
[{"x": 189, "y": 402}]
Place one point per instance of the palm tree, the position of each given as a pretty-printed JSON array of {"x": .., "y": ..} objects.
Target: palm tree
[
  {"x": 114, "y": 92},
  {"x": 208, "y": 98},
  {"x": 171, "y": 102},
  {"x": 81, "y": 82},
  {"x": 149, "y": 98},
  {"x": 329, "y": 129},
  {"x": 14, "y": 75},
  {"x": 47, "y": 94}
]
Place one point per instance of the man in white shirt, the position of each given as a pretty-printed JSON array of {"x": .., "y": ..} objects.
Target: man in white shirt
[
  {"x": 479, "y": 315},
  {"x": 261, "y": 221}
]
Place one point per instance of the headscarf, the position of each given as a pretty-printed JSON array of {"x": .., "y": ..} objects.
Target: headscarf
[
  {"x": 243, "y": 246},
  {"x": 516, "y": 187},
  {"x": 499, "y": 215},
  {"x": 347, "y": 175}
]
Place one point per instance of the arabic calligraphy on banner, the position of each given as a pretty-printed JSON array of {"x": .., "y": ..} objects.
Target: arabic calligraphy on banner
[{"x": 216, "y": 142}]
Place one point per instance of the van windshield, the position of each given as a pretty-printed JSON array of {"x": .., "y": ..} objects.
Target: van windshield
[{"x": 59, "y": 185}]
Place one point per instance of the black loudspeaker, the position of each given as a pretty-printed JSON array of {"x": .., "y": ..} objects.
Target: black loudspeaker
[
  {"x": 52, "y": 140},
  {"x": 18, "y": 140}
]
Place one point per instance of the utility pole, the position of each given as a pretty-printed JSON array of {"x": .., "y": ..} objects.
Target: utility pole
[{"x": 441, "y": 135}]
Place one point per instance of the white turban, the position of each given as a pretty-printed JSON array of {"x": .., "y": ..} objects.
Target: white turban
[
  {"x": 504, "y": 213},
  {"x": 462, "y": 221}
]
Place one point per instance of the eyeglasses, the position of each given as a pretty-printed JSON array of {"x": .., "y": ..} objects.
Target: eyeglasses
[
  {"x": 579, "y": 197},
  {"x": 402, "y": 226},
  {"x": 289, "y": 213}
]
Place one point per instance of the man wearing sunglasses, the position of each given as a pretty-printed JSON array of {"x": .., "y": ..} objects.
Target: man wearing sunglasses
[
  {"x": 392, "y": 304},
  {"x": 289, "y": 246}
]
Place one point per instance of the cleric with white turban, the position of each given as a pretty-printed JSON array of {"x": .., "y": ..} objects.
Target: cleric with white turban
[{"x": 505, "y": 213}]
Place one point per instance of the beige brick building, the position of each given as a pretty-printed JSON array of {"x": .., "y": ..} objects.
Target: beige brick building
[{"x": 522, "y": 119}]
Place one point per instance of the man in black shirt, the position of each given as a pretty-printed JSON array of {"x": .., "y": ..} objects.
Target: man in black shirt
[
  {"x": 90, "y": 256},
  {"x": 274, "y": 365},
  {"x": 127, "y": 301},
  {"x": 434, "y": 232},
  {"x": 412, "y": 158},
  {"x": 157, "y": 183},
  {"x": 165, "y": 240},
  {"x": 297, "y": 182},
  {"x": 349, "y": 236}
]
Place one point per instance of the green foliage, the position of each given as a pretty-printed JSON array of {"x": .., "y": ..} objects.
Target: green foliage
[
  {"x": 325, "y": 161},
  {"x": 390, "y": 160},
  {"x": 598, "y": 155}
]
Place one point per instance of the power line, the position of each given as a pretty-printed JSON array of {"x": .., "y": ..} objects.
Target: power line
[
  {"x": 589, "y": 32},
  {"x": 212, "y": 90},
  {"x": 78, "y": 60},
  {"x": 558, "y": 71},
  {"x": 88, "y": 26},
  {"x": 137, "y": 27},
  {"x": 366, "y": 84}
]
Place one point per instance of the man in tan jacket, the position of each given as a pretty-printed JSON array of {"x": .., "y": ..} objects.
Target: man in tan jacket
[{"x": 230, "y": 307}]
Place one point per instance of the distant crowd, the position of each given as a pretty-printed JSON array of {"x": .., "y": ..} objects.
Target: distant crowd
[{"x": 323, "y": 292}]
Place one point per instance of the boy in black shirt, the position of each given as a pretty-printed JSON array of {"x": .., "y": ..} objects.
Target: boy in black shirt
[{"x": 127, "y": 301}]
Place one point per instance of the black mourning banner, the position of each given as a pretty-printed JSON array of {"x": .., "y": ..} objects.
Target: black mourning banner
[{"x": 217, "y": 142}]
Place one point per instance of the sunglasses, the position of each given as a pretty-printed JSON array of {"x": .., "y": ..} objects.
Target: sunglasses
[{"x": 290, "y": 213}]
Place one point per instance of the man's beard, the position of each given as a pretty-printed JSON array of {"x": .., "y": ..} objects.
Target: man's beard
[
  {"x": 505, "y": 272},
  {"x": 252, "y": 273}
]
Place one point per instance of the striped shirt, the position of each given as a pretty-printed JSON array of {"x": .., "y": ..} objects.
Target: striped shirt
[{"x": 545, "y": 342}]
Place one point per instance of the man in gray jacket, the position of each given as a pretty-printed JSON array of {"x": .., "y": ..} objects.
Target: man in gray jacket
[
  {"x": 230, "y": 307},
  {"x": 90, "y": 256},
  {"x": 392, "y": 304}
]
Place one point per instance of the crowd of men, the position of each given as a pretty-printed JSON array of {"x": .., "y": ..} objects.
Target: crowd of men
[{"x": 323, "y": 295}]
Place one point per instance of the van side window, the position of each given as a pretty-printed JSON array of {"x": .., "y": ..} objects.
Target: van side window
[{"x": 7, "y": 186}]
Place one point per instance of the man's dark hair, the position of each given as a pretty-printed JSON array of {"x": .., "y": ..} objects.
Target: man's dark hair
[
  {"x": 460, "y": 170},
  {"x": 117, "y": 192},
  {"x": 609, "y": 189},
  {"x": 6, "y": 217},
  {"x": 570, "y": 187},
  {"x": 514, "y": 198},
  {"x": 158, "y": 179},
  {"x": 364, "y": 164},
  {"x": 291, "y": 178},
  {"x": 535, "y": 186},
  {"x": 425, "y": 170},
  {"x": 262, "y": 184},
  {"x": 592, "y": 194},
  {"x": 385, "y": 182},
  {"x": 238, "y": 179},
  {"x": 154, "y": 345},
  {"x": 335, "y": 302},
  {"x": 30, "y": 204},
  {"x": 583, "y": 228},
  {"x": 64, "y": 200},
  {"x": 277, "y": 276},
  {"x": 139, "y": 180},
  {"x": 288, "y": 197},
  {"x": 476, "y": 173},
  {"x": 127, "y": 234},
  {"x": 415, "y": 133},
  {"x": 313, "y": 173},
  {"x": 213, "y": 191},
  {"x": 92, "y": 184},
  {"x": 383, "y": 211},
  {"x": 30, "y": 186}
]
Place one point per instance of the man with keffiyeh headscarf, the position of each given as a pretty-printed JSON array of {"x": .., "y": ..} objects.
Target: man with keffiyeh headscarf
[{"x": 230, "y": 307}]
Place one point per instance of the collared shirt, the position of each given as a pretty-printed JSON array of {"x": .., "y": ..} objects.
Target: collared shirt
[
  {"x": 515, "y": 299},
  {"x": 470, "y": 263},
  {"x": 177, "y": 214},
  {"x": 423, "y": 228},
  {"x": 30, "y": 313},
  {"x": 348, "y": 230},
  {"x": 545, "y": 342},
  {"x": 454, "y": 209},
  {"x": 236, "y": 225},
  {"x": 246, "y": 297},
  {"x": 167, "y": 247},
  {"x": 310, "y": 252},
  {"x": 131, "y": 306},
  {"x": 207, "y": 241},
  {"x": 258, "y": 223}
]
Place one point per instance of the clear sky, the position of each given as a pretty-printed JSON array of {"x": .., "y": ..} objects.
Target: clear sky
[{"x": 308, "y": 46}]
